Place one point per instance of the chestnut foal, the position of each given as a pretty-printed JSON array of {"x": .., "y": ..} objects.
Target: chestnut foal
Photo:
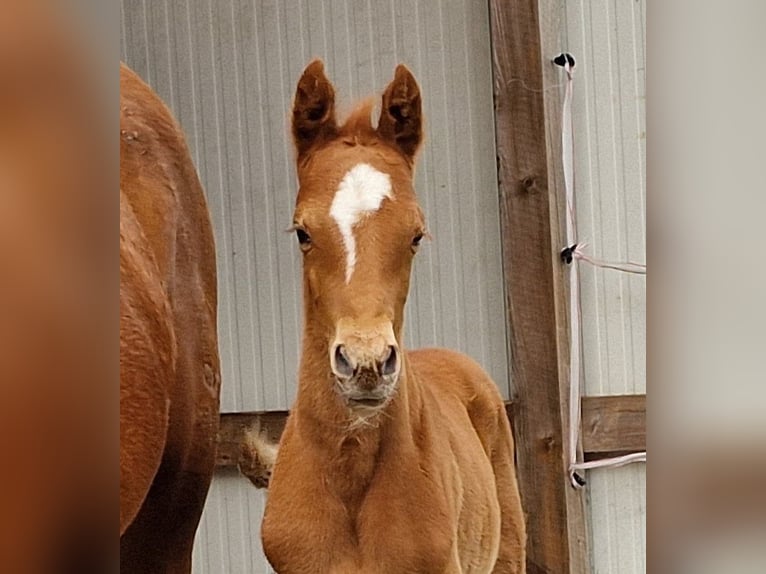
[{"x": 391, "y": 461}]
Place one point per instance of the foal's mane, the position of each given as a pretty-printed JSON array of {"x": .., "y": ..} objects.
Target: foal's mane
[{"x": 358, "y": 128}]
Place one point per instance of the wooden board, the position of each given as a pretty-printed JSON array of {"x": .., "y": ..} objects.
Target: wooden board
[{"x": 613, "y": 425}]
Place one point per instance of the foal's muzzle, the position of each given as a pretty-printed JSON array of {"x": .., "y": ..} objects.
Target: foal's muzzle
[{"x": 366, "y": 364}]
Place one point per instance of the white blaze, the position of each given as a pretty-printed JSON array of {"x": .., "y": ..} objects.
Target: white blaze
[{"x": 360, "y": 192}]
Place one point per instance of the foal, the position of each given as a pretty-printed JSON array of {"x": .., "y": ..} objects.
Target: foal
[{"x": 391, "y": 461}]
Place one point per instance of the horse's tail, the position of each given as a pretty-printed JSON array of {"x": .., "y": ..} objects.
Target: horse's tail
[{"x": 257, "y": 456}]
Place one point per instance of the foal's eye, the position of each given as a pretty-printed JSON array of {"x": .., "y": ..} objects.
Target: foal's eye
[
  {"x": 303, "y": 238},
  {"x": 416, "y": 240}
]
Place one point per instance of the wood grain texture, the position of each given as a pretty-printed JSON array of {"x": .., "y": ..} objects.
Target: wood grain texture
[
  {"x": 613, "y": 425},
  {"x": 528, "y": 165}
]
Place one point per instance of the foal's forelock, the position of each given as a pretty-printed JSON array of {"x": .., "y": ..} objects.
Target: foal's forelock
[{"x": 360, "y": 194}]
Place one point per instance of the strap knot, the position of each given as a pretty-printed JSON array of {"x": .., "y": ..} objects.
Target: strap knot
[
  {"x": 563, "y": 59},
  {"x": 567, "y": 254}
]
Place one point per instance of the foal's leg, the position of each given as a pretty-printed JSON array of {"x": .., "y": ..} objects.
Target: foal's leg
[{"x": 511, "y": 558}]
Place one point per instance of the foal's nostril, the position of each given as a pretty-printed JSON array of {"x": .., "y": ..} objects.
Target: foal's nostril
[
  {"x": 391, "y": 364},
  {"x": 343, "y": 366}
]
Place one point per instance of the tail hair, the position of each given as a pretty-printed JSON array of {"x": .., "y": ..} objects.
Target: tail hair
[{"x": 257, "y": 457}]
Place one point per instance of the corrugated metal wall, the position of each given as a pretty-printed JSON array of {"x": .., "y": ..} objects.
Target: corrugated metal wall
[
  {"x": 609, "y": 113},
  {"x": 228, "y": 540},
  {"x": 228, "y": 69}
]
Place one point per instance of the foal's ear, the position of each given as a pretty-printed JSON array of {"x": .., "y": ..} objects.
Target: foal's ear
[
  {"x": 313, "y": 108},
  {"x": 400, "y": 116}
]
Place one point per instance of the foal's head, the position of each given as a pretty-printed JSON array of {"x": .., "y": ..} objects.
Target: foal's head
[{"x": 358, "y": 225}]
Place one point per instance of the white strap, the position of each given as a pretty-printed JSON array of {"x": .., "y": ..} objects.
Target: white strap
[
  {"x": 627, "y": 266},
  {"x": 567, "y": 153}
]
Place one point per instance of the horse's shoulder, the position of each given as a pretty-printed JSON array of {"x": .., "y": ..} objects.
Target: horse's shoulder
[
  {"x": 450, "y": 367},
  {"x": 448, "y": 371}
]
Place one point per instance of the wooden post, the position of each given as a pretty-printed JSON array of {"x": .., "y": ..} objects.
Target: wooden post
[{"x": 529, "y": 168}]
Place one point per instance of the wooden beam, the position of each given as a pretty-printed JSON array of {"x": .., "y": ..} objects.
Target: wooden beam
[
  {"x": 610, "y": 425},
  {"x": 613, "y": 425},
  {"x": 528, "y": 169}
]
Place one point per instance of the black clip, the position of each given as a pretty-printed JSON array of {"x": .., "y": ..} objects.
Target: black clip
[
  {"x": 564, "y": 58},
  {"x": 578, "y": 479},
  {"x": 567, "y": 254}
]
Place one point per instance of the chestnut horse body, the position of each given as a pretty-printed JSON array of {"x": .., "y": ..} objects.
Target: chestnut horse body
[
  {"x": 169, "y": 366},
  {"x": 391, "y": 461}
]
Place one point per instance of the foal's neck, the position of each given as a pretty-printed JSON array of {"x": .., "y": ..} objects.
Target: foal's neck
[{"x": 351, "y": 447}]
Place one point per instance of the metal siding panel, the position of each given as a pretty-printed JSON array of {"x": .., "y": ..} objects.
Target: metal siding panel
[
  {"x": 608, "y": 39},
  {"x": 617, "y": 525},
  {"x": 282, "y": 344},
  {"x": 609, "y": 118},
  {"x": 213, "y": 151},
  {"x": 261, "y": 229},
  {"x": 229, "y": 537},
  {"x": 135, "y": 42},
  {"x": 491, "y": 284},
  {"x": 123, "y": 33}
]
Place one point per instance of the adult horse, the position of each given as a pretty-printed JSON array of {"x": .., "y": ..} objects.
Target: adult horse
[
  {"x": 391, "y": 461},
  {"x": 169, "y": 368}
]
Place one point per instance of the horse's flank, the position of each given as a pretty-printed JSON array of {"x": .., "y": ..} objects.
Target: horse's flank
[
  {"x": 391, "y": 461},
  {"x": 169, "y": 367}
]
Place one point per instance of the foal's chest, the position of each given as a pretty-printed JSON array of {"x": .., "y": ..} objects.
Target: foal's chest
[
  {"x": 404, "y": 536},
  {"x": 386, "y": 536}
]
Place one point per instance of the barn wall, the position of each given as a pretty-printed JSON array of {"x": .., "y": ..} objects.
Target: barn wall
[
  {"x": 228, "y": 69},
  {"x": 608, "y": 40}
]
